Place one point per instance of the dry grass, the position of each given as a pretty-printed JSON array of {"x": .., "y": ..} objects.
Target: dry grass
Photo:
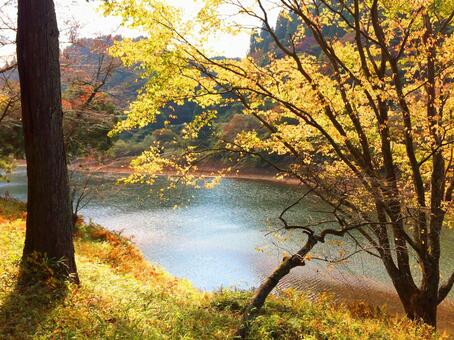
[{"x": 123, "y": 296}]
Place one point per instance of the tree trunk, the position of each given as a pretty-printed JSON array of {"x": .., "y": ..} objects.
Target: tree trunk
[
  {"x": 49, "y": 220},
  {"x": 420, "y": 304},
  {"x": 270, "y": 283},
  {"x": 422, "y": 307}
]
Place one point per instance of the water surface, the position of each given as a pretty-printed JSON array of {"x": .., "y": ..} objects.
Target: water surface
[{"x": 220, "y": 237}]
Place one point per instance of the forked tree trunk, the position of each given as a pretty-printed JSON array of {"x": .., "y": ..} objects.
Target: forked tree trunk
[
  {"x": 49, "y": 220},
  {"x": 422, "y": 308},
  {"x": 420, "y": 304}
]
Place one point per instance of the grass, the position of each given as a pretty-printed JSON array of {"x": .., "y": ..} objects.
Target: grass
[{"x": 122, "y": 296}]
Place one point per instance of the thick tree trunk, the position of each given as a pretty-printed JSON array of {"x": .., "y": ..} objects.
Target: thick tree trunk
[
  {"x": 270, "y": 283},
  {"x": 49, "y": 220},
  {"x": 419, "y": 303},
  {"x": 421, "y": 307}
]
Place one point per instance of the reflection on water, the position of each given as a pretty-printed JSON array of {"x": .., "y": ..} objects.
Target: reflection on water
[{"x": 212, "y": 236}]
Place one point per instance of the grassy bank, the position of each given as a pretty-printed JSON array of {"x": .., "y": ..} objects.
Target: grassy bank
[{"x": 123, "y": 296}]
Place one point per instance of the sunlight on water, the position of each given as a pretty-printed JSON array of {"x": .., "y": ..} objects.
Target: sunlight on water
[{"x": 212, "y": 237}]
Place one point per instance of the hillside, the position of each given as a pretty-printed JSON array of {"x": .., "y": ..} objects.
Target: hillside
[
  {"x": 89, "y": 60},
  {"x": 123, "y": 296}
]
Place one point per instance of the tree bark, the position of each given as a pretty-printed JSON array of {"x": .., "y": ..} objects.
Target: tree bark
[
  {"x": 270, "y": 283},
  {"x": 49, "y": 220},
  {"x": 422, "y": 307}
]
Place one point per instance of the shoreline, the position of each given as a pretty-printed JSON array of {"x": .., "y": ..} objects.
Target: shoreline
[
  {"x": 376, "y": 295},
  {"x": 125, "y": 295},
  {"x": 253, "y": 174}
]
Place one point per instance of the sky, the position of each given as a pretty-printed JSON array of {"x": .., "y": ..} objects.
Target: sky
[{"x": 93, "y": 23}]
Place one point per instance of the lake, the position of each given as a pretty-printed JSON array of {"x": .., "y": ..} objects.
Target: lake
[{"x": 220, "y": 237}]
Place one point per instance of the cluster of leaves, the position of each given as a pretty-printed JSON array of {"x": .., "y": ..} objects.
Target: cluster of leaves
[
  {"x": 168, "y": 48},
  {"x": 6, "y": 166}
]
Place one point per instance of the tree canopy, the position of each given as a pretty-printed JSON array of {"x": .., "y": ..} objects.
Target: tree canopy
[{"x": 365, "y": 123}]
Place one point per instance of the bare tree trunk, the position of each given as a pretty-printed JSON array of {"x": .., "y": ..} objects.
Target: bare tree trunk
[
  {"x": 421, "y": 307},
  {"x": 270, "y": 283},
  {"x": 49, "y": 221},
  {"x": 425, "y": 310}
]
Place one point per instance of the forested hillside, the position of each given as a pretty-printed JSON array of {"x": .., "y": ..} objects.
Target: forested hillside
[{"x": 98, "y": 88}]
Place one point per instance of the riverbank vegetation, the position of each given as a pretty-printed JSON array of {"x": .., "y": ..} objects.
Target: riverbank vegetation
[{"x": 124, "y": 296}]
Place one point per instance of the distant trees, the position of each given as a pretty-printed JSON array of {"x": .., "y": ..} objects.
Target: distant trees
[
  {"x": 292, "y": 33},
  {"x": 261, "y": 45},
  {"x": 9, "y": 94},
  {"x": 10, "y": 127},
  {"x": 89, "y": 97},
  {"x": 49, "y": 220},
  {"x": 93, "y": 86}
]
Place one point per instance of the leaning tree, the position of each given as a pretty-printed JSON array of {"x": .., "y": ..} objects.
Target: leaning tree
[{"x": 363, "y": 119}]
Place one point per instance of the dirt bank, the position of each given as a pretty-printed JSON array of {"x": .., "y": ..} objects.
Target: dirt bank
[{"x": 121, "y": 166}]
